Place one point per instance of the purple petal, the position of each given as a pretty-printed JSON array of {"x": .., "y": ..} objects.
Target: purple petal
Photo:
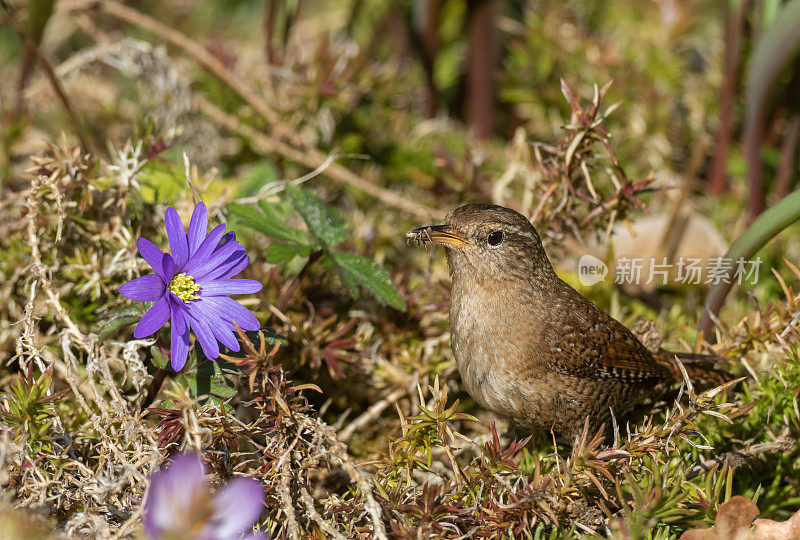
[
  {"x": 172, "y": 492},
  {"x": 179, "y": 338},
  {"x": 177, "y": 237},
  {"x": 227, "y": 338},
  {"x": 198, "y": 226},
  {"x": 233, "y": 265},
  {"x": 222, "y": 330},
  {"x": 215, "y": 260},
  {"x": 237, "y": 506},
  {"x": 145, "y": 288},
  {"x": 223, "y": 333},
  {"x": 204, "y": 334},
  {"x": 153, "y": 256},
  {"x": 170, "y": 268},
  {"x": 231, "y": 286},
  {"x": 226, "y": 238},
  {"x": 205, "y": 249},
  {"x": 231, "y": 310},
  {"x": 154, "y": 319},
  {"x": 236, "y": 268}
]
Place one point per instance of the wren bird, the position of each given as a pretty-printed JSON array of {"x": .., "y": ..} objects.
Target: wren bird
[{"x": 529, "y": 346}]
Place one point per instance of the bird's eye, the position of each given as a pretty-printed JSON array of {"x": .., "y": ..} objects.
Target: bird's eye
[{"x": 495, "y": 238}]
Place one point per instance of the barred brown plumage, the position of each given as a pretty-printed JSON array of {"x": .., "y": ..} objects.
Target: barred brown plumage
[{"x": 529, "y": 346}]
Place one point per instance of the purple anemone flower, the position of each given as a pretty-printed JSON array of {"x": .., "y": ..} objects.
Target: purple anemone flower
[
  {"x": 179, "y": 504},
  {"x": 190, "y": 286}
]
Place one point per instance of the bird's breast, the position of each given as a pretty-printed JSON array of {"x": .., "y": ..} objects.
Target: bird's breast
[{"x": 489, "y": 359}]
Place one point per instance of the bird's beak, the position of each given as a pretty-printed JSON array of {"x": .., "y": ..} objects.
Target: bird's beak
[{"x": 441, "y": 234}]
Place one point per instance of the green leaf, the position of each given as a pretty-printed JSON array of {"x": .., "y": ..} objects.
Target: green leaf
[
  {"x": 364, "y": 271},
  {"x": 221, "y": 387},
  {"x": 324, "y": 223},
  {"x": 278, "y": 212},
  {"x": 270, "y": 336},
  {"x": 214, "y": 380},
  {"x": 777, "y": 48},
  {"x": 162, "y": 181},
  {"x": 112, "y": 320},
  {"x": 771, "y": 222},
  {"x": 39, "y": 12},
  {"x": 262, "y": 173},
  {"x": 244, "y": 212},
  {"x": 124, "y": 311},
  {"x": 269, "y": 223},
  {"x": 277, "y": 253},
  {"x": 159, "y": 359},
  {"x": 114, "y": 325},
  {"x": 202, "y": 379},
  {"x": 344, "y": 274}
]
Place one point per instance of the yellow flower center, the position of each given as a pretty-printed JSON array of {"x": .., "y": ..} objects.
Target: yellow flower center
[{"x": 184, "y": 287}]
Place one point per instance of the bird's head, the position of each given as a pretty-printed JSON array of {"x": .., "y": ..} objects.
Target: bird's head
[{"x": 486, "y": 241}]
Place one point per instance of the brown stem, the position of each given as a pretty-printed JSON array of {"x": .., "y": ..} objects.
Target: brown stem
[
  {"x": 736, "y": 458},
  {"x": 755, "y": 169},
  {"x": 24, "y": 73},
  {"x": 356, "y": 8},
  {"x": 480, "y": 76},
  {"x": 289, "y": 21},
  {"x": 673, "y": 234},
  {"x": 270, "y": 16},
  {"x": 734, "y": 28},
  {"x": 430, "y": 49}
]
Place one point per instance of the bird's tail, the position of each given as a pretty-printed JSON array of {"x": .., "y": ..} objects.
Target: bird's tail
[{"x": 701, "y": 368}]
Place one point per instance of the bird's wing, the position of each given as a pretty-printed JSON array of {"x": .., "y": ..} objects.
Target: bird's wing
[{"x": 587, "y": 342}]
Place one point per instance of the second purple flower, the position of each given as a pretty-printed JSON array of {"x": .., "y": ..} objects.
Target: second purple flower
[{"x": 191, "y": 284}]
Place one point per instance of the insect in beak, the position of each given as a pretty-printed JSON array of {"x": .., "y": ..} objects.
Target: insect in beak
[{"x": 435, "y": 233}]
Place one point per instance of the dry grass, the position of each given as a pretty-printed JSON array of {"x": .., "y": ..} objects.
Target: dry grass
[{"x": 357, "y": 423}]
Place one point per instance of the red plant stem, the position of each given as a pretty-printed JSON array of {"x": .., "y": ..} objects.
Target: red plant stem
[
  {"x": 430, "y": 49},
  {"x": 270, "y": 17},
  {"x": 734, "y": 24},
  {"x": 789, "y": 149},
  {"x": 480, "y": 77}
]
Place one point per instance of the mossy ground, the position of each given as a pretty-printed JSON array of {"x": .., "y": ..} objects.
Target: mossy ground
[{"x": 357, "y": 422}]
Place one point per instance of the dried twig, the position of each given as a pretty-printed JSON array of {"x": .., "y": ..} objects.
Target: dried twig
[
  {"x": 313, "y": 158},
  {"x": 373, "y": 412},
  {"x": 736, "y": 458},
  {"x": 286, "y": 500},
  {"x": 323, "y": 524}
]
